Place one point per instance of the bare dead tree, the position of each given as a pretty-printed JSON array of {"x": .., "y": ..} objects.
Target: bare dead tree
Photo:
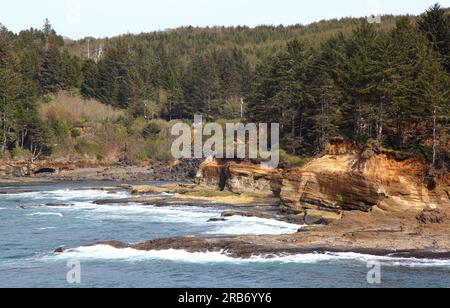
[{"x": 36, "y": 152}]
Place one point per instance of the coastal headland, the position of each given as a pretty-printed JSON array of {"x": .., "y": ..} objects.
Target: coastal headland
[{"x": 348, "y": 199}]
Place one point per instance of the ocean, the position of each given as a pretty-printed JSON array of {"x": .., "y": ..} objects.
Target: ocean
[{"x": 30, "y": 231}]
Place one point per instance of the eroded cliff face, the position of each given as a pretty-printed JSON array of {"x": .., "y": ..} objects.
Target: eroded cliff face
[
  {"x": 240, "y": 177},
  {"x": 347, "y": 181},
  {"x": 345, "y": 178}
]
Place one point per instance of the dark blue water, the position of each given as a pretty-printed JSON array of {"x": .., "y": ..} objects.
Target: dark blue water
[{"x": 30, "y": 231}]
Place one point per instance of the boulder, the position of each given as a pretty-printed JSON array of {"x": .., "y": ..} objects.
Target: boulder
[
  {"x": 217, "y": 220},
  {"x": 60, "y": 250},
  {"x": 317, "y": 217},
  {"x": 45, "y": 170},
  {"x": 431, "y": 216}
]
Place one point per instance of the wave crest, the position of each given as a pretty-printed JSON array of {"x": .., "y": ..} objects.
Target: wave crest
[{"x": 104, "y": 252}]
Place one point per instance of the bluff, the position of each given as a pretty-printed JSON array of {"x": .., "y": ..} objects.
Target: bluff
[{"x": 345, "y": 178}]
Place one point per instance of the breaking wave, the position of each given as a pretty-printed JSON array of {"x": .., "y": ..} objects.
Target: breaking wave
[
  {"x": 71, "y": 194},
  {"x": 104, "y": 252},
  {"x": 46, "y": 214}
]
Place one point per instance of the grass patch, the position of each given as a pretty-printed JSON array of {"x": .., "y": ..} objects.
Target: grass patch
[{"x": 75, "y": 111}]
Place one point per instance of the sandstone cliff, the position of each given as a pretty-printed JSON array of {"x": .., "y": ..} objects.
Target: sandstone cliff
[
  {"x": 350, "y": 179},
  {"x": 240, "y": 177},
  {"x": 344, "y": 178}
]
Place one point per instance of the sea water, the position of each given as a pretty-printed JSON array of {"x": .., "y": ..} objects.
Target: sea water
[{"x": 30, "y": 231}]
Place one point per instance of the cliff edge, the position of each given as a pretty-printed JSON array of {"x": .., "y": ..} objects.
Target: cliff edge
[{"x": 344, "y": 178}]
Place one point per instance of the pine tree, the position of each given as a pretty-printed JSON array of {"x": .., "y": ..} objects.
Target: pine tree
[
  {"x": 435, "y": 93},
  {"x": 203, "y": 85},
  {"x": 435, "y": 23},
  {"x": 10, "y": 81},
  {"x": 323, "y": 96},
  {"x": 71, "y": 71},
  {"x": 358, "y": 77},
  {"x": 51, "y": 76},
  {"x": 406, "y": 106},
  {"x": 89, "y": 82}
]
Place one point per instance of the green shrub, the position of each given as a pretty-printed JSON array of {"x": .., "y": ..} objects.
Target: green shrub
[
  {"x": 86, "y": 148},
  {"x": 231, "y": 109},
  {"x": 60, "y": 129},
  {"x": 75, "y": 132},
  {"x": 81, "y": 122},
  {"x": 20, "y": 154},
  {"x": 136, "y": 150},
  {"x": 159, "y": 147},
  {"x": 293, "y": 161},
  {"x": 138, "y": 126},
  {"x": 152, "y": 129}
]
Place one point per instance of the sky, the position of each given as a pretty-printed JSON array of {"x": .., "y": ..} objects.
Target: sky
[{"x": 101, "y": 18}]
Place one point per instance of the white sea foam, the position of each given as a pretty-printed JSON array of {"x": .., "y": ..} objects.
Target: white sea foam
[
  {"x": 2, "y": 208},
  {"x": 197, "y": 216},
  {"x": 47, "y": 228},
  {"x": 46, "y": 214},
  {"x": 81, "y": 200},
  {"x": 70, "y": 194},
  {"x": 192, "y": 215},
  {"x": 237, "y": 225},
  {"x": 104, "y": 252}
]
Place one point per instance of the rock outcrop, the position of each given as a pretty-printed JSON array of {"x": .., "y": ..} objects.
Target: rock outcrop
[
  {"x": 240, "y": 177},
  {"x": 345, "y": 178},
  {"x": 398, "y": 234},
  {"x": 431, "y": 216},
  {"x": 348, "y": 178}
]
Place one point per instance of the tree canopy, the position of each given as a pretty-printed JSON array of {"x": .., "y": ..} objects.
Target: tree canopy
[{"x": 386, "y": 84}]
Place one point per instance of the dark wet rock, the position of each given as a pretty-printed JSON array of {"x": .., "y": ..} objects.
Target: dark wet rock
[
  {"x": 374, "y": 233},
  {"x": 431, "y": 216},
  {"x": 60, "y": 250},
  {"x": 217, "y": 220},
  {"x": 58, "y": 205},
  {"x": 15, "y": 192},
  {"x": 45, "y": 170},
  {"x": 295, "y": 219},
  {"x": 112, "y": 201},
  {"x": 182, "y": 170},
  {"x": 267, "y": 246},
  {"x": 248, "y": 214}
]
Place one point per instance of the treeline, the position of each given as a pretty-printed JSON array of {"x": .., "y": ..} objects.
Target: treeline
[
  {"x": 32, "y": 64},
  {"x": 130, "y": 75},
  {"x": 389, "y": 89},
  {"x": 179, "y": 72},
  {"x": 384, "y": 83}
]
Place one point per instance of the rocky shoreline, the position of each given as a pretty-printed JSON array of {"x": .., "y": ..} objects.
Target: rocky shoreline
[
  {"x": 404, "y": 236},
  {"x": 410, "y": 233},
  {"x": 179, "y": 171},
  {"x": 352, "y": 199},
  {"x": 407, "y": 242}
]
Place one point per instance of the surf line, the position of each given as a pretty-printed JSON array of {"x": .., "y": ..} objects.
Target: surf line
[{"x": 195, "y": 299}]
